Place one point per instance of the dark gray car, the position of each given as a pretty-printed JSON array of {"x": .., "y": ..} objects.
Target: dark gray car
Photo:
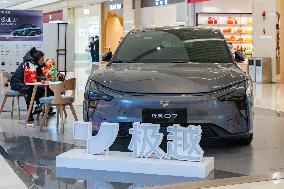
[{"x": 173, "y": 75}]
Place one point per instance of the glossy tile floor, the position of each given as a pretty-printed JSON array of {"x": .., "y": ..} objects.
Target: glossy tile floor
[
  {"x": 8, "y": 178},
  {"x": 269, "y": 96},
  {"x": 31, "y": 153},
  {"x": 35, "y": 153},
  {"x": 275, "y": 184}
]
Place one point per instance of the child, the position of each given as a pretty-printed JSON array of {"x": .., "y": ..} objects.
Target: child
[{"x": 51, "y": 71}]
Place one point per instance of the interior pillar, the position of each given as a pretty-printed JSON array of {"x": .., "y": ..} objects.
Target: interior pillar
[
  {"x": 137, "y": 14},
  {"x": 128, "y": 16},
  {"x": 281, "y": 11},
  {"x": 264, "y": 31}
]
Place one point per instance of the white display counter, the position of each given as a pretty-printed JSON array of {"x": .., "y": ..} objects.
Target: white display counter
[{"x": 124, "y": 162}]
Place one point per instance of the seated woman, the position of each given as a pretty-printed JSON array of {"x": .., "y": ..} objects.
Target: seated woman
[{"x": 36, "y": 58}]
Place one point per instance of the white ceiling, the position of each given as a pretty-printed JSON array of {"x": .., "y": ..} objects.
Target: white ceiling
[{"x": 8, "y": 3}]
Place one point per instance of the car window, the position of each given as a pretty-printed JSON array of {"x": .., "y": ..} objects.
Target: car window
[{"x": 173, "y": 46}]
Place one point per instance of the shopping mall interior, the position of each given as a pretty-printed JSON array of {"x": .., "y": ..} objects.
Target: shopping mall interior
[{"x": 83, "y": 83}]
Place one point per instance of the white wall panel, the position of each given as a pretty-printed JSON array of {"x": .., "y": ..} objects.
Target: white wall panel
[
  {"x": 225, "y": 6},
  {"x": 50, "y": 44},
  {"x": 168, "y": 15}
]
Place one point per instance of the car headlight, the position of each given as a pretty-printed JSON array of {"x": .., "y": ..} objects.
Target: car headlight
[
  {"x": 240, "y": 96},
  {"x": 93, "y": 93},
  {"x": 94, "y": 96}
]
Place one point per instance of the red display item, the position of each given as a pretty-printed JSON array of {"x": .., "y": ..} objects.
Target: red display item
[
  {"x": 240, "y": 30},
  {"x": 233, "y": 38},
  {"x": 27, "y": 75},
  {"x": 215, "y": 21},
  {"x": 33, "y": 76},
  {"x": 228, "y": 30},
  {"x": 210, "y": 20},
  {"x": 230, "y": 20}
]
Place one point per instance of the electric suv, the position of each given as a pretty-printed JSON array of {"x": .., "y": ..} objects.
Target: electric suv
[{"x": 173, "y": 75}]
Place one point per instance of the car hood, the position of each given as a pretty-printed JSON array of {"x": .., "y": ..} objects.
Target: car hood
[{"x": 174, "y": 78}]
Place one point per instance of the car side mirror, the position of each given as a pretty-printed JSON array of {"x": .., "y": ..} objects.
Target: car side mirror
[
  {"x": 106, "y": 57},
  {"x": 239, "y": 56}
]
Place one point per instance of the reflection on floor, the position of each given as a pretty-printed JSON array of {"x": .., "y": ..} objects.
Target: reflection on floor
[
  {"x": 36, "y": 153},
  {"x": 8, "y": 178},
  {"x": 275, "y": 184}
]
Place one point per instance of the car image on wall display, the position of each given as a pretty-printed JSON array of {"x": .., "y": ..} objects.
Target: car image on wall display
[
  {"x": 27, "y": 30},
  {"x": 173, "y": 75}
]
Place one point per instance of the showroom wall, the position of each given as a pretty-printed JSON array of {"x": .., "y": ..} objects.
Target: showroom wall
[
  {"x": 265, "y": 31},
  {"x": 167, "y": 15},
  {"x": 128, "y": 16},
  {"x": 86, "y": 26},
  {"x": 280, "y": 7},
  {"x": 225, "y": 6},
  {"x": 176, "y": 14},
  {"x": 112, "y": 27},
  {"x": 260, "y": 39}
]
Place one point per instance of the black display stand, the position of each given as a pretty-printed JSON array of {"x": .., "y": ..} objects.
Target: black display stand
[{"x": 62, "y": 51}]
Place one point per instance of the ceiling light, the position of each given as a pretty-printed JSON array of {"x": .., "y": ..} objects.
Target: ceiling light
[
  {"x": 86, "y": 11},
  {"x": 4, "y": 2}
]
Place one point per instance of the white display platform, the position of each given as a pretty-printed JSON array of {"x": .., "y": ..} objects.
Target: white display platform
[{"x": 124, "y": 162}]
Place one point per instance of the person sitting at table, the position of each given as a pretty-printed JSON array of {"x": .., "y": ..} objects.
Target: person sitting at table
[
  {"x": 36, "y": 58},
  {"x": 49, "y": 63}
]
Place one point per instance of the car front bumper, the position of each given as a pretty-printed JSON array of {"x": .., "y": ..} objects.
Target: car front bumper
[{"x": 218, "y": 119}]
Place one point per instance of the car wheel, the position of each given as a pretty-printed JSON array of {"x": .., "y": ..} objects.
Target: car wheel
[{"x": 245, "y": 141}]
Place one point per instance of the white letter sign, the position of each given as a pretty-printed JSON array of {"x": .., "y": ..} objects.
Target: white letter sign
[{"x": 183, "y": 142}]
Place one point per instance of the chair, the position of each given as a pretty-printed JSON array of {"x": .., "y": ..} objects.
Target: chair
[
  {"x": 8, "y": 93},
  {"x": 60, "y": 101}
]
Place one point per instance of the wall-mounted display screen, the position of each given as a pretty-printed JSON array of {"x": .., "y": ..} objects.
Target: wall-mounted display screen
[
  {"x": 20, "y": 30},
  {"x": 21, "y": 25}
]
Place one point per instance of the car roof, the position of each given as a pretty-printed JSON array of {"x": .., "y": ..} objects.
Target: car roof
[{"x": 192, "y": 32}]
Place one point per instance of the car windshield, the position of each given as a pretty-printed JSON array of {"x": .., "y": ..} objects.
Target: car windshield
[{"x": 176, "y": 46}]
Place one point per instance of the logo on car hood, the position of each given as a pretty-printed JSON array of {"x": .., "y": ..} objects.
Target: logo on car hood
[{"x": 164, "y": 104}]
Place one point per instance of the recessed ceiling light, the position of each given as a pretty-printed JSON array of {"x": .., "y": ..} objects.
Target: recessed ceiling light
[{"x": 86, "y": 11}]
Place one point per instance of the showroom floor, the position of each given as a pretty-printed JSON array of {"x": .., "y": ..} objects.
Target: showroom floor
[{"x": 31, "y": 153}]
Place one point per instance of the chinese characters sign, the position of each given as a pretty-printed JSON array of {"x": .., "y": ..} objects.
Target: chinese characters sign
[
  {"x": 7, "y": 19},
  {"x": 146, "y": 140},
  {"x": 182, "y": 144}
]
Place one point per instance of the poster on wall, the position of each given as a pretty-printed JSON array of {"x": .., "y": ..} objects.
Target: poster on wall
[{"x": 20, "y": 30}]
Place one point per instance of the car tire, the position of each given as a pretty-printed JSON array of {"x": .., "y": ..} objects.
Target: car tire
[{"x": 245, "y": 141}]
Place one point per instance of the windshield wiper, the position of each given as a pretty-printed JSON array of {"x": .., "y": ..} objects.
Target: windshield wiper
[{"x": 122, "y": 61}]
